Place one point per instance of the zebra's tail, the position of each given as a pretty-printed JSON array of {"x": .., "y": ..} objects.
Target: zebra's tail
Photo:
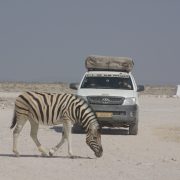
[{"x": 14, "y": 120}]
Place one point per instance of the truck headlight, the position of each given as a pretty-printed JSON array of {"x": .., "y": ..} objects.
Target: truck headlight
[{"x": 129, "y": 101}]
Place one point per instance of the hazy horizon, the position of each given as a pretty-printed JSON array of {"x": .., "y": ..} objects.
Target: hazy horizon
[{"x": 48, "y": 41}]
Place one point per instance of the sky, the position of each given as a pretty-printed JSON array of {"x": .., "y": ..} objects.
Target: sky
[{"x": 48, "y": 40}]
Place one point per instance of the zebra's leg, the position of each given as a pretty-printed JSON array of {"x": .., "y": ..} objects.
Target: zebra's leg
[
  {"x": 19, "y": 126},
  {"x": 67, "y": 127},
  {"x": 54, "y": 149},
  {"x": 66, "y": 134},
  {"x": 33, "y": 134}
]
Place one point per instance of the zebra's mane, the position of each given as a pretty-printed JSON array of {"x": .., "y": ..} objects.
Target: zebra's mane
[{"x": 92, "y": 119}]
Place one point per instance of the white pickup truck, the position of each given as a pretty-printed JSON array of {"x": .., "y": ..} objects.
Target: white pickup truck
[{"x": 110, "y": 89}]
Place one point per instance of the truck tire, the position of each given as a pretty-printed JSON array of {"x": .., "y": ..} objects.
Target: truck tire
[
  {"x": 133, "y": 129},
  {"x": 77, "y": 129}
]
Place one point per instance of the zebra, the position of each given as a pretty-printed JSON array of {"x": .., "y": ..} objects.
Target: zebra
[{"x": 52, "y": 109}]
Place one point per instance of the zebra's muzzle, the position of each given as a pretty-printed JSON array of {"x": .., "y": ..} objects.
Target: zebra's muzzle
[{"x": 99, "y": 153}]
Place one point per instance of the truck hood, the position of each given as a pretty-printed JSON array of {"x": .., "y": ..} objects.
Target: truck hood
[{"x": 106, "y": 92}]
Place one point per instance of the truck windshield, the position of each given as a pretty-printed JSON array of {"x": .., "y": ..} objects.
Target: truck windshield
[{"x": 107, "y": 83}]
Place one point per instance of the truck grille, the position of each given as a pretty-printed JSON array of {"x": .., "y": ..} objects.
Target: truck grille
[{"x": 105, "y": 100}]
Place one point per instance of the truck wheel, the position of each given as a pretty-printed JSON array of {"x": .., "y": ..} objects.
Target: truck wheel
[
  {"x": 133, "y": 129},
  {"x": 76, "y": 129}
]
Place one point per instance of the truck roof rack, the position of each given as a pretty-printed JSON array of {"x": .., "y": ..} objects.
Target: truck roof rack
[
  {"x": 115, "y": 70},
  {"x": 109, "y": 63}
]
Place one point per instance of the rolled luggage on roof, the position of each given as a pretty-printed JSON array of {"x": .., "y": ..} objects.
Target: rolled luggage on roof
[{"x": 110, "y": 63}]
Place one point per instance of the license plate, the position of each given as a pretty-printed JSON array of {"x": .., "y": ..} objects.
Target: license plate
[{"x": 104, "y": 114}]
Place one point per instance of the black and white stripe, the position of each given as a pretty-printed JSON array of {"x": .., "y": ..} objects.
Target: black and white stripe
[{"x": 52, "y": 109}]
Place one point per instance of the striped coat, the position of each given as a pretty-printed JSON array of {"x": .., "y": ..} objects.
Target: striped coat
[{"x": 52, "y": 109}]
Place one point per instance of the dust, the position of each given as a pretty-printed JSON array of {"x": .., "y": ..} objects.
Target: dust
[{"x": 168, "y": 133}]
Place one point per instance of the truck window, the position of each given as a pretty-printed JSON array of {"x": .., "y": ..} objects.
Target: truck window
[{"x": 107, "y": 83}]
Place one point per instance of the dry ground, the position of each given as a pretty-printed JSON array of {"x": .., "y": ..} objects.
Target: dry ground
[{"x": 154, "y": 154}]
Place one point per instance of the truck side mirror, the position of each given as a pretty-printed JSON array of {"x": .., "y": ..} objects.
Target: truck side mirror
[
  {"x": 74, "y": 86},
  {"x": 140, "y": 88}
]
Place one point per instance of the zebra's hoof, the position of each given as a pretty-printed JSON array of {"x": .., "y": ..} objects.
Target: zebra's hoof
[
  {"x": 16, "y": 153},
  {"x": 51, "y": 152},
  {"x": 72, "y": 157},
  {"x": 44, "y": 154}
]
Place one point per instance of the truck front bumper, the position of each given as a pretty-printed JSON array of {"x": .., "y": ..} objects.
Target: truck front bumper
[{"x": 116, "y": 115}]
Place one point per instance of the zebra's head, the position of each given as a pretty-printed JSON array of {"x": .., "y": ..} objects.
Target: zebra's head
[
  {"x": 93, "y": 139},
  {"x": 85, "y": 115}
]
